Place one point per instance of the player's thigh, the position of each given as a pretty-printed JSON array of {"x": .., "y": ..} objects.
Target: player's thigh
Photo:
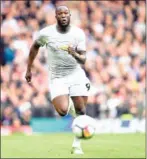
[
  {"x": 79, "y": 93},
  {"x": 59, "y": 95},
  {"x": 79, "y": 101},
  {"x": 85, "y": 99}
]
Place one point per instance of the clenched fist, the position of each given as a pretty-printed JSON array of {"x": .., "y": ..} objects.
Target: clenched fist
[{"x": 72, "y": 50}]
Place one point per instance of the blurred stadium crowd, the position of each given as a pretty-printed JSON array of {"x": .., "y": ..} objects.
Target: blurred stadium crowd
[{"x": 115, "y": 32}]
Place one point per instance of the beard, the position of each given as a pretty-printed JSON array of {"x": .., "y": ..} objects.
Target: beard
[{"x": 63, "y": 26}]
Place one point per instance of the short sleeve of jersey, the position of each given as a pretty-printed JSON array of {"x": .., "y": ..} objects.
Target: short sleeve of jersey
[
  {"x": 41, "y": 37},
  {"x": 81, "y": 41}
]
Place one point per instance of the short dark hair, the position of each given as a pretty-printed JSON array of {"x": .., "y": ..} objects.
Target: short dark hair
[{"x": 58, "y": 7}]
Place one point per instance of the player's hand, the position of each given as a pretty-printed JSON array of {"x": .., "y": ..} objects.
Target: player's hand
[
  {"x": 28, "y": 76},
  {"x": 71, "y": 50}
]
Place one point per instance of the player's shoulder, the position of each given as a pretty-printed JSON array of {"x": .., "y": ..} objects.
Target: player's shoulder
[
  {"x": 47, "y": 29},
  {"x": 78, "y": 32},
  {"x": 78, "y": 29}
]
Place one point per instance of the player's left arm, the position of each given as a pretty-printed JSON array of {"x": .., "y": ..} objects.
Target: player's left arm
[
  {"x": 79, "y": 52},
  {"x": 79, "y": 55}
]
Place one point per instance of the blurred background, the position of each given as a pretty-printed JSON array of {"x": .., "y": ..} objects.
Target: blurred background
[{"x": 115, "y": 33}]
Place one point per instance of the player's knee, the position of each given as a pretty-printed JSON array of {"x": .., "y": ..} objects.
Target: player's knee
[
  {"x": 62, "y": 114},
  {"x": 62, "y": 111}
]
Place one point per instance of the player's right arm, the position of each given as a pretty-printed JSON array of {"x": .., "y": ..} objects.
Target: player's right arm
[
  {"x": 33, "y": 52},
  {"x": 40, "y": 40}
]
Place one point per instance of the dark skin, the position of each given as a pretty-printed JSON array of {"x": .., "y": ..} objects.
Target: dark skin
[
  {"x": 61, "y": 102},
  {"x": 63, "y": 20}
]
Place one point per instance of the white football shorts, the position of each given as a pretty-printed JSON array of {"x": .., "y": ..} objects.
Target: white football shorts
[{"x": 75, "y": 84}]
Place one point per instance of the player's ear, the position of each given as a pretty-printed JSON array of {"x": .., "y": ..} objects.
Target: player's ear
[{"x": 56, "y": 15}]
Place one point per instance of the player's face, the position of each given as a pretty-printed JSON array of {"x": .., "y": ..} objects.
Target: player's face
[{"x": 63, "y": 16}]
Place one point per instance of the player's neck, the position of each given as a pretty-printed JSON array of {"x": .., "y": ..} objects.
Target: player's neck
[{"x": 63, "y": 30}]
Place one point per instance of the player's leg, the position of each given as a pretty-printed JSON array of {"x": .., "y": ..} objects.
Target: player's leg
[
  {"x": 60, "y": 97},
  {"x": 80, "y": 103},
  {"x": 85, "y": 98},
  {"x": 79, "y": 94},
  {"x": 79, "y": 90},
  {"x": 71, "y": 108},
  {"x": 61, "y": 104}
]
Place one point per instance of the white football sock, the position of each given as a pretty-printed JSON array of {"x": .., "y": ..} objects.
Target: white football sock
[
  {"x": 76, "y": 142},
  {"x": 71, "y": 111}
]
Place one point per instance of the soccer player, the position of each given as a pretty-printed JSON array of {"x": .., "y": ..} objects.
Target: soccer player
[{"x": 69, "y": 86}]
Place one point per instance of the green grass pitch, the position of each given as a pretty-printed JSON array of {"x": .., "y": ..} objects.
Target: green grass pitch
[{"x": 58, "y": 145}]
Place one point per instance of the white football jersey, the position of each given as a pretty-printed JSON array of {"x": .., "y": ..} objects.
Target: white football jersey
[{"x": 60, "y": 62}]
